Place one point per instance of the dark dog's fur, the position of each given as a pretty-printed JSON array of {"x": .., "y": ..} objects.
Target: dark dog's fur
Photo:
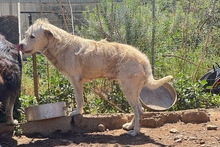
[{"x": 10, "y": 77}]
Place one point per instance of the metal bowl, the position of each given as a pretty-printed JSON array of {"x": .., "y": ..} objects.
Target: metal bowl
[
  {"x": 45, "y": 111},
  {"x": 159, "y": 99}
]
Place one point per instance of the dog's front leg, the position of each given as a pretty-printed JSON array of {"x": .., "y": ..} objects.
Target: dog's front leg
[
  {"x": 78, "y": 90},
  {"x": 9, "y": 107}
]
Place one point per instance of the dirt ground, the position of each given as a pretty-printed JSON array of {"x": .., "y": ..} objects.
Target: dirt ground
[{"x": 169, "y": 135}]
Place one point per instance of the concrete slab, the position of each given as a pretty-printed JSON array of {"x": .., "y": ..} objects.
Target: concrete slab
[
  {"x": 6, "y": 129},
  {"x": 46, "y": 127},
  {"x": 90, "y": 122}
]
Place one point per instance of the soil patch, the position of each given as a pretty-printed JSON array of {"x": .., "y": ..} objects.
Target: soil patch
[{"x": 185, "y": 132}]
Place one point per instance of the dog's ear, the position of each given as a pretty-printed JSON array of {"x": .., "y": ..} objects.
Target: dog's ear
[{"x": 49, "y": 33}]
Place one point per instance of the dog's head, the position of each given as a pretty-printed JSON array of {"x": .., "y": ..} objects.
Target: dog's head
[{"x": 38, "y": 37}]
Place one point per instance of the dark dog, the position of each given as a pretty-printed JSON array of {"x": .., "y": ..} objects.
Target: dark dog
[{"x": 10, "y": 77}]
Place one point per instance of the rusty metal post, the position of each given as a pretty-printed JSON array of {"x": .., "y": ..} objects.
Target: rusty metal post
[
  {"x": 153, "y": 35},
  {"x": 34, "y": 60}
]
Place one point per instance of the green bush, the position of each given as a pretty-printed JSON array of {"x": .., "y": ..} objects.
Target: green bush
[{"x": 191, "y": 95}]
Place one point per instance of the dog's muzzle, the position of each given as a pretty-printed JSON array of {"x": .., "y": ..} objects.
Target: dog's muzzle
[{"x": 20, "y": 48}]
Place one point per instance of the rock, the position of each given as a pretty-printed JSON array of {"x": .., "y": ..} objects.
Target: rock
[
  {"x": 185, "y": 137},
  {"x": 212, "y": 127},
  {"x": 178, "y": 137},
  {"x": 178, "y": 140},
  {"x": 173, "y": 131},
  {"x": 113, "y": 141},
  {"x": 202, "y": 142},
  {"x": 64, "y": 140},
  {"x": 195, "y": 117},
  {"x": 101, "y": 127},
  {"x": 192, "y": 138}
]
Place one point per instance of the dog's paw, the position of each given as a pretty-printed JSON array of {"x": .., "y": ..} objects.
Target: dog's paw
[
  {"x": 132, "y": 133},
  {"x": 128, "y": 126},
  {"x": 15, "y": 122},
  {"x": 75, "y": 112},
  {"x": 12, "y": 122}
]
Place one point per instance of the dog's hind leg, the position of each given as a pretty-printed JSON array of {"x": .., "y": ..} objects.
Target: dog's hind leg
[
  {"x": 78, "y": 90},
  {"x": 131, "y": 88},
  {"x": 134, "y": 126},
  {"x": 130, "y": 125}
]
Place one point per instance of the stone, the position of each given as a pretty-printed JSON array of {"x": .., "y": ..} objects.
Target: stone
[
  {"x": 212, "y": 127},
  {"x": 195, "y": 117},
  {"x": 192, "y": 138},
  {"x": 202, "y": 142},
  {"x": 173, "y": 131},
  {"x": 178, "y": 137},
  {"x": 178, "y": 140},
  {"x": 101, "y": 127}
]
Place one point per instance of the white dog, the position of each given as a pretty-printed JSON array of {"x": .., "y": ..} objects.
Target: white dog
[{"x": 81, "y": 60}]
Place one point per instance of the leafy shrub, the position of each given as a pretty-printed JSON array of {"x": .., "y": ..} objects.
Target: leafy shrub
[{"x": 191, "y": 95}]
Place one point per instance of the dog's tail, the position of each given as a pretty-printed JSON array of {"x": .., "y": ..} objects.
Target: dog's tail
[{"x": 151, "y": 83}]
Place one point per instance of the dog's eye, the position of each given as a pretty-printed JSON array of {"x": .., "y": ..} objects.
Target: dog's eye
[{"x": 32, "y": 36}]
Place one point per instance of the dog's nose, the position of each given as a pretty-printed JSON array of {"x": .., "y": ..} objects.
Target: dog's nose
[{"x": 20, "y": 46}]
